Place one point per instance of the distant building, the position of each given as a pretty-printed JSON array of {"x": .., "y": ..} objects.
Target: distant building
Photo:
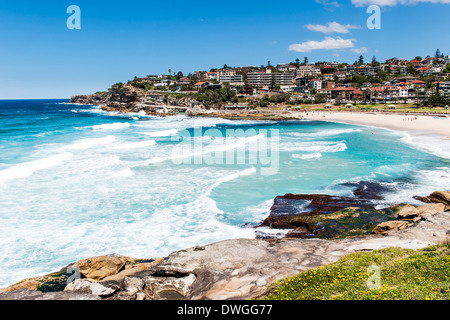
[
  {"x": 211, "y": 75},
  {"x": 315, "y": 84},
  {"x": 201, "y": 84},
  {"x": 302, "y": 84},
  {"x": 184, "y": 81},
  {"x": 232, "y": 79},
  {"x": 286, "y": 67},
  {"x": 307, "y": 71},
  {"x": 262, "y": 79},
  {"x": 225, "y": 74}
]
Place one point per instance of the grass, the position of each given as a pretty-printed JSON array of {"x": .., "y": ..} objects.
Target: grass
[{"x": 405, "y": 275}]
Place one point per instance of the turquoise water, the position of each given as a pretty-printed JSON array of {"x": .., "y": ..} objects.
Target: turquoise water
[{"x": 76, "y": 182}]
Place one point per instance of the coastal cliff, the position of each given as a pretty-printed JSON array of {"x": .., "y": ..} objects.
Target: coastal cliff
[
  {"x": 221, "y": 271},
  {"x": 127, "y": 98}
]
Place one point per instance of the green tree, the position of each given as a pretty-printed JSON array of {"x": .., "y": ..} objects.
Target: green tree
[
  {"x": 361, "y": 60},
  {"x": 438, "y": 54}
]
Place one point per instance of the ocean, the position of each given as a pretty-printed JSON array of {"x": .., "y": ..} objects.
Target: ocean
[{"x": 77, "y": 182}]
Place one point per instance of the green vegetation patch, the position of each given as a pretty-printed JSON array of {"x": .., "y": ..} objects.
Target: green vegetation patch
[
  {"x": 405, "y": 274},
  {"x": 53, "y": 282}
]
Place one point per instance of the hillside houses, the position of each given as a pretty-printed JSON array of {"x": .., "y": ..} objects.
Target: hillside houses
[{"x": 393, "y": 80}]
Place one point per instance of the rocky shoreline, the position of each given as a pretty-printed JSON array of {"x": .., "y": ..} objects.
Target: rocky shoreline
[{"x": 326, "y": 229}]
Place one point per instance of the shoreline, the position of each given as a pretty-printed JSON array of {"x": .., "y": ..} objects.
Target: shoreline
[
  {"x": 398, "y": 122},
  {"x": 429, "y": 133}
]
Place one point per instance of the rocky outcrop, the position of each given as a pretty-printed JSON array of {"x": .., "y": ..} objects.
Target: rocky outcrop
[
  {"x": 126, "y": 98},
  {"x": 94, "y": 99},
  {"x": 244, "y": 268},
  {"x": 238, "y": 268},
  {"x": 27, "y": 294},
  {"x": 98, "y": 268},
  {"x": 389, "y": 226},
  {"x": 437, "y": 197},
  {"x": 324, "y": 216}
]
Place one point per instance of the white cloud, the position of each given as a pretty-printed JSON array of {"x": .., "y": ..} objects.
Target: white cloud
[
  {"x": 391, "y": 3},
  {"x": 328, "y": 43},
  {"x": 329, "y": 4},
  {"x": 332, "y": 27},
  {"x": 360, "y": 50}
]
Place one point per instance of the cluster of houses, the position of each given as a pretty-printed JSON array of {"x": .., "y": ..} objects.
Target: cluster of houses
[{"x": 331, "y": 79}]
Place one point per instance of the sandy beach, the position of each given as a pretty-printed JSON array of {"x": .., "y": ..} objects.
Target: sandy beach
[{"x": 409, "y": 123}]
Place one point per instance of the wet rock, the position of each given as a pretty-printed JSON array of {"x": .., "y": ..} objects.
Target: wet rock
[
  {"x": 369, "y": 190},
  {"x": 308, "y": 205},
  {"x": 324, "y": 216}
]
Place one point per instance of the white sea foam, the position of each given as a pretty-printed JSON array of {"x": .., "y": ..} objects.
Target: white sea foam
[
  {"x": 230, "y": 177},
  {"x": 91, "y": 142},
  {"x": 180, "y": 153},
  {"x": 431, "y": 144},
  {"x": 26, "y": 169},
  {"x": 161, "y": 133},
  {"x": 110, "y": 126},
  {"x": 316, "y": 146},
  {"x": 135, "y": 145},
  {"x": 307, "y": 156},
  {"x": 324, "y": 133}
]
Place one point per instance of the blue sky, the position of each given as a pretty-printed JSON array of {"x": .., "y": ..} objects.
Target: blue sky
[{"x": 41, "y": 58}]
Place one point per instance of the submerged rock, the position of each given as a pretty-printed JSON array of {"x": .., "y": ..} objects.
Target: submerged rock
[{"x": 324, "y": 216}]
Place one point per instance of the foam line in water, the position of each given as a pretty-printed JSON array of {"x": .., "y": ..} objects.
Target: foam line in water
[
  {"x": 316, "y": 155},
  {"x": 227, "y": 146},
  {"x": 162, "y": 133},
  {"x": 230, "y": 177},
  {"x": 84, "y": 144},
  {"x": 324, "y": 133},
  {"x": 436, "y": 146},
  {"x": 110, "y": 126},
  {"x": 26, "y": 169},
  {"x": 317, "y": 147},
  {"x": 136, "y": 145}
]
